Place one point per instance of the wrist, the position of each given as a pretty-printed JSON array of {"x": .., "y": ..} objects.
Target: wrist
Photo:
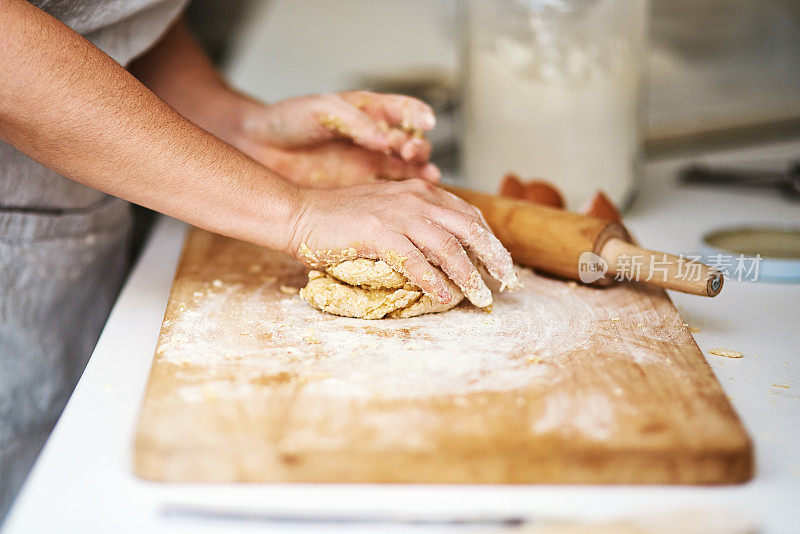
[
  {"x": 251, "y": 122},
  {"x": 277, "y": 214},
  {"x": 296, "y": 234},
  {"x": 222, "y": 111}
]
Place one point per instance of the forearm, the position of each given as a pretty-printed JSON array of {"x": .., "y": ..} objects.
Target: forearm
[
  {"x": 69, "y": 106},
  {"x": 379, "y": 132},
  {"x": 180, "y": 73}
]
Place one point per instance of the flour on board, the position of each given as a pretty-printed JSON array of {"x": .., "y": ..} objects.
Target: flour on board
[
  {"x": 464, "y": 351},
  {"x": 246, "y": 339}
]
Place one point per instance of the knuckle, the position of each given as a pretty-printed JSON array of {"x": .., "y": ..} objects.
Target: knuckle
[
  {"x": 415, "y": 266},
  {"x": 426, "y": 252},
  {"x": 450, "y": 244},
  {"x": 414, "y": 261},
  {"x": 477, "y": 230}
]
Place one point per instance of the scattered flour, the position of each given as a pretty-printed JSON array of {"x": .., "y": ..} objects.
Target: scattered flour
[
  {"x": 462, "y": 351},
  {"x": 247, "y": 337}
]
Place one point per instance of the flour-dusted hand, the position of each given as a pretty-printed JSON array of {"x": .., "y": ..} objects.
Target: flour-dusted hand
[
  {"x": 378, "y": 122},
  {"x": 309, "y": 139},
  {"x": 412, "y": 225}
]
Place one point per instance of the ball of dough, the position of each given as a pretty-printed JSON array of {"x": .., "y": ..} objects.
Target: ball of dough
[
  {"x": 370, "y": 289},
  {"x": 368, "y": 274}
]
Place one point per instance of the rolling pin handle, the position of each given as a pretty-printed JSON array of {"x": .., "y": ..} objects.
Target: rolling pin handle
[
  {"x": 676, "y": 272},
  {"x": 714, "y": 284},
  {"x": 554, "y": 241}
]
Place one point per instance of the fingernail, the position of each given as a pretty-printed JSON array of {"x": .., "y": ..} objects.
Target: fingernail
[
  {"x": 480, "y": 296},
  {"x": 407, "y": 151},
  {"x": 428, "y": 121},
  {"x": 431, "y": 172}
]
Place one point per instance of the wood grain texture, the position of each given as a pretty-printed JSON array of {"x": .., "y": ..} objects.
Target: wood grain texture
[{"x": 560, "y": 384}]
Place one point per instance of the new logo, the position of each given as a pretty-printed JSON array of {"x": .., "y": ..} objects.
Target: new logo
[{"x": 591, "y": 267}]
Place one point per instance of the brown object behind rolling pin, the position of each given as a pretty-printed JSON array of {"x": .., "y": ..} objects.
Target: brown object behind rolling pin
[{"x": 555, "y": 241}]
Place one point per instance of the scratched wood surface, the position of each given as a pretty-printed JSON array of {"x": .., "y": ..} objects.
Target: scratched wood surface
[{"x": 560, "y": 383}]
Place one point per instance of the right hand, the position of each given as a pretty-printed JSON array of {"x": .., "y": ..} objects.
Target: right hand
[{"x": 411, "y": 225}]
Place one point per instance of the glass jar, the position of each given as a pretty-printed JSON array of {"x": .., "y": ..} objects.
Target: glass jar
[{"x": 553, "y": 92}]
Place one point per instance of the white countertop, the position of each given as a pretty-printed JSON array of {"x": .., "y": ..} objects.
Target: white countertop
[{"x": 83, "y": 480}]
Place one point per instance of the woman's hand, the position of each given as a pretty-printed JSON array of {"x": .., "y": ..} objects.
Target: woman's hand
[
  {"x": 412, "y": 225},
  {"x": 338, "y": 163},
  {"x": 339, "y": 139},
  {"x": 321, "y": 140}
]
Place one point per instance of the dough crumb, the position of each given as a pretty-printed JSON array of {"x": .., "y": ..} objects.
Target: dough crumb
[
  {"x": 289, "y": 290},
  {"x": 727, "y": 353},
  {"x": 334, "y": 124},
  {"x": 309, "y": 336}
]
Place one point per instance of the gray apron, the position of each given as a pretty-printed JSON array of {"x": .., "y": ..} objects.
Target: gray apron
[{"x": 63, "y": 255}]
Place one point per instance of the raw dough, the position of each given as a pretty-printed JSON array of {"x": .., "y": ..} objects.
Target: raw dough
[
  {"x": 370, "y": 289},
  {"x": 368, "y": 274}
]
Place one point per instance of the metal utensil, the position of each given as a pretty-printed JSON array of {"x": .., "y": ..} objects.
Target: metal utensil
[
  {"x": 178, "y": 512},
  {"x": 786, "y": 182}
]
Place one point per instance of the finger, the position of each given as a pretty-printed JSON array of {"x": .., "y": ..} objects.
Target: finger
[
  {"x": 349, "y": 123},
  {"x": 416, "y": 149},
  {"x": 404, "y": 257},
  {"x": 397, "y": 169},
  {"x": 346, "y": 120},
  {"x": 411, "y": 147},
  {"x": 342, "y": 119},
  {"x": 400, "y": 111},
  {"x": 472, "y": 231},
  {"x": 444, "y": 249}
]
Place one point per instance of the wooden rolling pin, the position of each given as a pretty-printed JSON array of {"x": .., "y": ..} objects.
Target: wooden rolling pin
[{"x": 556, "y": 242}]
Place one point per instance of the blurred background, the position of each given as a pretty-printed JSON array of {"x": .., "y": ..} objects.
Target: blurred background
[{"x": 714, "y": 73}]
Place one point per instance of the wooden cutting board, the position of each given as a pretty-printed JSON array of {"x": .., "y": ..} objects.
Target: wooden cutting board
[{"x": 559, "y": 383}]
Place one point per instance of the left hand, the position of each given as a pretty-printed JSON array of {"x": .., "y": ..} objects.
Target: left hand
[{"x": 344, "y": 138}]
